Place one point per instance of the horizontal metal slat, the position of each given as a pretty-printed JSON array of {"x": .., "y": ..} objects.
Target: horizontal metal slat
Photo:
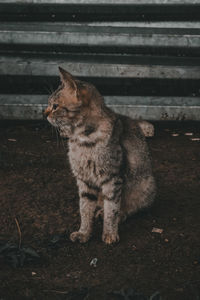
[
  {"x": 15, "y": 84},
  {"x": 177, "y": 108},
  {"x": 128, "y": 24},
  {"x": 10, "y": 99},
  {"x": 34, "y": 112},
  {"x": 98, "y": 50},
  {"x": 42, "y": 67},
  {"x": 93, "y": 36},
  {"x": 75, "y": 27},
  {"x": 114, "y": 2},
  {"x": 99, "y": 10}
]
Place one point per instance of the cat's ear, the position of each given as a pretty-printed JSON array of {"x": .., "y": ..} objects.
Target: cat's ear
[{"x": 67, "y": 79}]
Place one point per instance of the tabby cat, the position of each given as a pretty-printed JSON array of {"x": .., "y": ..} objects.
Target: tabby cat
[{"x": 108, "y": 154}]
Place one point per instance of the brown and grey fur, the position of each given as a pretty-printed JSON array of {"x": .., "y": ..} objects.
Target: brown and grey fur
[{"x": 108, "y": 155}]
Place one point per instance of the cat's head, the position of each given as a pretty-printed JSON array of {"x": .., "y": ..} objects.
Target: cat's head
[{"x": 69, "y": 105}]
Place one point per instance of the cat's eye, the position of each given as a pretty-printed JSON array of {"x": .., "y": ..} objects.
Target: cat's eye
[{"x": 55, "y": 106}]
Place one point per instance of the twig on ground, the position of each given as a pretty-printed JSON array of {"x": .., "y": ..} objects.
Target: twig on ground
[
  {"x": 19, "y": 231},
  {"x": 58, "y": 292}
]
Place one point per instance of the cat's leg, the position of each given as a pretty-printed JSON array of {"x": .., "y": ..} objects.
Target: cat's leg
[
  {"x": 99, "y": 208},
  {"x": 88, "y": 201},
  {"x": 112, "y": 190}
]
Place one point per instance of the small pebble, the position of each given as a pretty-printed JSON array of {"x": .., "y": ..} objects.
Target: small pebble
[
  {"x": 179, "y": 289},
  {"x": 12, "y": 140},
  {"x": 195, "y": 139},
  {"x": 188, "y": 133},
  {"x": 175, "y": 134},
  {"x": 166, "y": 241},
  {"x": 157, "y": 230},
  {"x": 93, "y": 262},
  {"x": 33, "y": 273}
]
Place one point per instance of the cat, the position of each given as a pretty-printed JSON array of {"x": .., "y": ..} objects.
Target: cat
[{"x": 108, "y": 155}]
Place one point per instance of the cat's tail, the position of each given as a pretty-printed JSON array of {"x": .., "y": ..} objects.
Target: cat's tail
[{"x": 147, "y": 128}]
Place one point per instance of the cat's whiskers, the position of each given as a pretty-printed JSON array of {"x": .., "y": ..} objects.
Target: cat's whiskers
[
  {"x": 59, "y": 139},
  {"x": 52, "y": 130},
  {"x": 52, "y": 133},
  {"x": 57, "y": 136},
  {"x": 49, "y": 91},
  {"x": 62, "y": 144}
]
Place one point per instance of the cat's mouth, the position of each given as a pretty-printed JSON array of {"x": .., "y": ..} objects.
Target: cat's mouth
[
  {"x": 53, "y": 122},
  {"x": 50, "y": 120},
  {"x": 65, "y": 130}
]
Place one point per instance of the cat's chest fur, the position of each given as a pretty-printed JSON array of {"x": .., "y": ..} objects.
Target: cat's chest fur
[
  {"x": 94, "y": 162},
  {"x": 87, "y": 162}
]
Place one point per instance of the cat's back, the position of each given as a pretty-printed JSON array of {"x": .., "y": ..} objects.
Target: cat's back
[
  {"x": 132, "y": 132},
  {"x": 134, "y": 146}
]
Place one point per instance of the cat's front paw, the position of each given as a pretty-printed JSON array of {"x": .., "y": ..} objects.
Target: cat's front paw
[
  {"x": 110, "y": 238},
  {"x": 79, "y": 236}
]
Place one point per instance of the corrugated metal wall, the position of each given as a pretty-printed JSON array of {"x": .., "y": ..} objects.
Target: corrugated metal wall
[{"x": 143, "y": 56}]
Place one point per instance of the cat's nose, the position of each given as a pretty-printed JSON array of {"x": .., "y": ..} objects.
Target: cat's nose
[{"x": 46, "y": 112}]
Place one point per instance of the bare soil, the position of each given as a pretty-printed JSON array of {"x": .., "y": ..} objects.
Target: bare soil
[{"x": 38, "y": 189}]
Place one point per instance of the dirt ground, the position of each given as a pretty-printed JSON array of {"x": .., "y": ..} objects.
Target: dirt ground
[{"x": 37, "y": 188}]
